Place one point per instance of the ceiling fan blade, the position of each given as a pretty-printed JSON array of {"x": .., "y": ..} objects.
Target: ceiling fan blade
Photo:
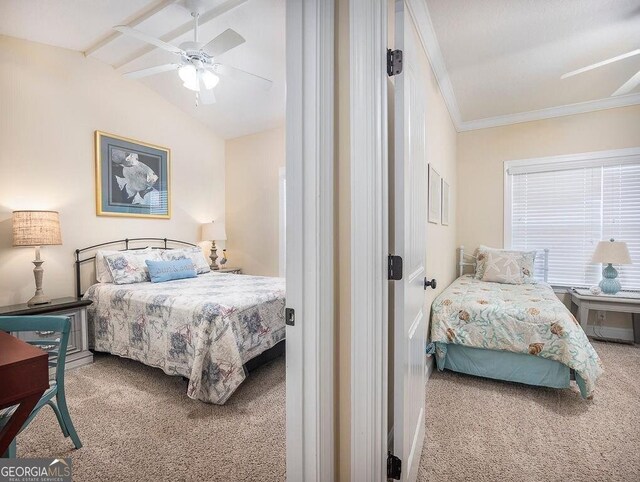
[
  {"x": 629, "y": 85},
  {"x": 600, "y": 64},
  {"x": 137, "y": 74},
  {"x": 242, "y": 75},
  {"x": 132, "y": 32},
  {"x": 224, "y": 42}
]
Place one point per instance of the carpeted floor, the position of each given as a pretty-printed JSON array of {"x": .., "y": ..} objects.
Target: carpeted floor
[
  {"x": 137, "y": 424},
  {"x": 484, "y": 430}
]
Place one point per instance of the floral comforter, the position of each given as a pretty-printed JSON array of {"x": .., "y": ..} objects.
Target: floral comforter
[
  {"x": 526, "y": 318},
  {"x": 202, "y": 328}
]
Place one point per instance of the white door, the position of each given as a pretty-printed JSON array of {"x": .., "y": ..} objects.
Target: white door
[{"x": 410, "y": 198}]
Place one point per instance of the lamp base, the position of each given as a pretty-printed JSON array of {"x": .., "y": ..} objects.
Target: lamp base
[
  {"x": 610, "y": 284},
  {"x": 214, "y": 256},
  {"x": 39, "y": 299}
]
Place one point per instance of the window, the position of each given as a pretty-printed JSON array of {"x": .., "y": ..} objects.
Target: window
[{"x": 569, "y": 203}]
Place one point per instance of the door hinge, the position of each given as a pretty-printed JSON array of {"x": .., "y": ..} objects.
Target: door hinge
[
  {"x": 394, "y": 62},
  {"x": 394, "y": 467},
  {"x": 290, "y": 316},
  {"x": 394, "y": 268}
]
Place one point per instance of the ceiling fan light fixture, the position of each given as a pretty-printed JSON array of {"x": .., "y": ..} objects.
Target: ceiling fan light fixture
[
  {"x": 189, "y": 75},
  {"x": 209, "y": 79}
]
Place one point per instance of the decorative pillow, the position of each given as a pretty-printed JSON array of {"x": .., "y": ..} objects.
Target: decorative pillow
[
  {"x": 103, "y": 275},
  {"x": 503, "y": 267},
  {"x": 194, "y": 254},
  {"x": 526, "y": 259},
  {"x": 160, "y": 271},
  {"x": 130, "y": 266}
]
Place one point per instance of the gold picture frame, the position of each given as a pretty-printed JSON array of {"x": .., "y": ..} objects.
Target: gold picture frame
[{"x": 133, "y": 178}]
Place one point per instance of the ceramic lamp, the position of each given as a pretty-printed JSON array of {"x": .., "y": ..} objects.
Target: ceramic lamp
[
  {"x": 36, "y": 228},
  {"x": 611, "y": 252},
  {"x": 213, "y": 232}
]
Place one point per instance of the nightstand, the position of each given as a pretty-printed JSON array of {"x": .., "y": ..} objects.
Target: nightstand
[
  {"x": 228, "y": 270},
  {"x": 618, "y": 303},
  {"x": 78, "y": 353}
]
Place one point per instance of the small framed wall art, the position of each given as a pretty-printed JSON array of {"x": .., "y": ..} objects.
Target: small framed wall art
[
  {"x": 445, "y": 203},
  {"x": 132, "y": 178},
  {"x": 435, "y": 196}
]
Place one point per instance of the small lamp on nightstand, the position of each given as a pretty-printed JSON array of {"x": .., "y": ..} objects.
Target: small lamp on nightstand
[
  {"x": 213, "y": 232},
  {"x": 611, "y": 252},
  {"x": 36, "y": 228}
]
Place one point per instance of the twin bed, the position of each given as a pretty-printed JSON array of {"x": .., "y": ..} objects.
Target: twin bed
[
  {"x": 211, "y": 329},
  {"x": 519, "y": 332}
]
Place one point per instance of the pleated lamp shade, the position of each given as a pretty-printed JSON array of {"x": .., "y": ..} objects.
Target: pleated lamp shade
[
  {"x": 614, "y": 252},
  {"x": 36, "y": 228}
]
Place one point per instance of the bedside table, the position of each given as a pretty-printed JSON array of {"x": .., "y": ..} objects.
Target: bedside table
[
  {"x": 78, "y": 353},
  {"x": 617, "y": 303},
  {"x": 228, "y": 270}
]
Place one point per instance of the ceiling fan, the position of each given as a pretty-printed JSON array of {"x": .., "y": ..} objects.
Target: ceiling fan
[
  {"x": 627, "y": 87},
  {"x": 197, "y": 67}
]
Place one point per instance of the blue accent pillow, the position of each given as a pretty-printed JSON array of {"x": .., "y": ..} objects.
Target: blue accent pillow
[{"x": 160, "y": 271}]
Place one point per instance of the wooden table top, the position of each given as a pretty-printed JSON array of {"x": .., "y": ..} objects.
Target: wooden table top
[{"x": 23, "y": 369}]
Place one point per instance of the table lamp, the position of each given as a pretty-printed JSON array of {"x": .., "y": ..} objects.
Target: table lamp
[
  {"x": 213, "y": 232},
  {"x": 36, "y": 228},
  {"x": 611, "y": 252}
]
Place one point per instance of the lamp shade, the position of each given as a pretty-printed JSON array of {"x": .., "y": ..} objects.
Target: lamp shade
[
  {"x": 213, "y": 232},
  {"x": 36, "y": 228},
  {"x": 614, "y": 252}
]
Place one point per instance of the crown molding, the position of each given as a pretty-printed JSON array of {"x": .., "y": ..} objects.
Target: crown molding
[
  {"x": 551, "y": 112},
  {"x": 422, "y": 19}
]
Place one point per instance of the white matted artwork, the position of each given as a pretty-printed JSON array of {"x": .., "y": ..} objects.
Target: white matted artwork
[
  {"x": 435, "y": 197},
  {"x": 445, "y": 203}
]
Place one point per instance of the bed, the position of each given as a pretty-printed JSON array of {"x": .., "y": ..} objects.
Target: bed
[
  {"x": 515, "y": 332},
  {"x": 210, "y": 329}
]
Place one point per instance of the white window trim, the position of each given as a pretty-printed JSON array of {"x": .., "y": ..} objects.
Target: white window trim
[{"x": 581, "y": 159}]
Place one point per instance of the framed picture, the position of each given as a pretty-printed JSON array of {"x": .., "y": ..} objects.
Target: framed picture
[
  {"x": 435, "y": 197},
  {"x": 132, "y": 178},
  {"x": 445, "y": 203}
]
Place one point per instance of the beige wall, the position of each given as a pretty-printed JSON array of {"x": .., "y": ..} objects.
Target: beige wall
[
  {"x": 252, "y": 201},
  {"x": 51, "y": 102},
  {"x": 481, "y": 156}
]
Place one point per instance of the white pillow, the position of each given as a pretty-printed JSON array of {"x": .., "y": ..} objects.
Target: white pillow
[
  {"x": 194, "y": 253},
  {"x": 103, "y": 275},
  {"x": 129, "y": 266},
  {"x": 526, "y": 260},
  {"x": 503, "y": 267}
]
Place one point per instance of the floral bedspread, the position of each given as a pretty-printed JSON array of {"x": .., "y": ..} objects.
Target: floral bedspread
[
  {"x": 202, "y": 328},
  {"x": 525, "y": 318}
]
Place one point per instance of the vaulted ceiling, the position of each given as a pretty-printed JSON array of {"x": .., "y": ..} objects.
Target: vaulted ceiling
[
  {"x": 86, "y": 26},
  {"x": 500, "y": 61}
]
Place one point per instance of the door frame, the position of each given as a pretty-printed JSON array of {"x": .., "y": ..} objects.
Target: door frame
[
  {"x": 369, "y": 238},
  {"x": 310, "y": 216}
]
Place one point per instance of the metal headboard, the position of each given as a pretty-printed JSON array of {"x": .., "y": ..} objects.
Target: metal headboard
[
  {"x": 126, "y": 242},
  {"x": 465, "y": 260}
]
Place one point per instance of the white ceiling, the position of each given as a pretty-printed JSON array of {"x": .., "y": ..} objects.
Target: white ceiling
[
  {"x": 504, "y": 58},
  {"x": 241, "y": 108}
]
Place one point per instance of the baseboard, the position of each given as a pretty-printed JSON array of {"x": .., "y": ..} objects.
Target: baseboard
[{"x": 611, "y": 333}]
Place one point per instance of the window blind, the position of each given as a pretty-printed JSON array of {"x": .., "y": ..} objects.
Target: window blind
[{"x": 569, "y": 210}]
